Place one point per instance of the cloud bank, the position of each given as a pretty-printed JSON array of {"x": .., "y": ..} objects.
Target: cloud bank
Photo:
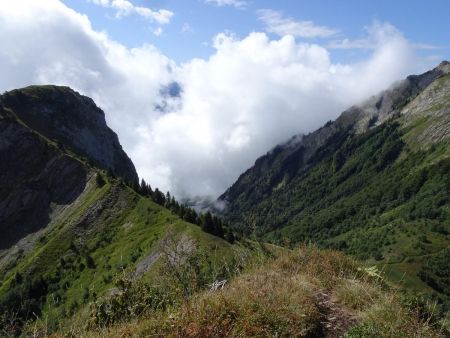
[{"x": 193, "y": 128}]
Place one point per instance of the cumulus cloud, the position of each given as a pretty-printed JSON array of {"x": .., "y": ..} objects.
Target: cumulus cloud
[
  {"x": 276, "y": 23},
  {"x": 193, "y": 128},
  {"x": 236, "y": 3},
  {"x": 126, "y": 8},
  {"x": 377, "y": 33},
  {"x": 253, "y": 93}
]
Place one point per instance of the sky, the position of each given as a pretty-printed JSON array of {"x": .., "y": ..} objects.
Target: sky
[{"x": 197, "y": 90}]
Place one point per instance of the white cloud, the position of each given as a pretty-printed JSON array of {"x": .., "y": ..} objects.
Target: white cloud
[
  {"x": 427, "y": 46},
  {"x": 251, "y": 94},
  {"x": 347, "y": 43},
  {"x": 103, "y": 3},
  {"x": 277, "y": 24},
  {"x": 236, "y": 3},
  {"x": 126, "y": 8},
  {"x": 376, "y": 34}
]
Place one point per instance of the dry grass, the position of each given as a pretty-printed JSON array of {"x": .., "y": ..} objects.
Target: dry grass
[
  {"x": 357, "y": 294},
  {"x": 263, "y": 304},
  {"x": 387, "y": 318},
  {"x": 306, "y": 293}
]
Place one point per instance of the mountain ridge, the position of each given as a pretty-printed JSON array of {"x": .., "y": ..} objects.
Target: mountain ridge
[
  {"x": 373, "y": 111},
  {"x": 87, "y": 251},
  {"x": 374, "y": 183}
]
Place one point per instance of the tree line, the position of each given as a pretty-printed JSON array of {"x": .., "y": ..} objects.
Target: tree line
[{"x": 207, "y": 221}]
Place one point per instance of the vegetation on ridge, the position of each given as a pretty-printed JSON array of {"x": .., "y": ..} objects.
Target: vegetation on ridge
[
  {"x": 375, "y": 184},
  {"x": 304, "y": 293},
  {"x": 369, "y": 195},
  {"x": 207, "y": 221},
  {"x": 110, "y": 229}
]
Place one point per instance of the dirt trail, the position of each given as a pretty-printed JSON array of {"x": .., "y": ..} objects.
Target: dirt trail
[{"x": 335, "y": 320}]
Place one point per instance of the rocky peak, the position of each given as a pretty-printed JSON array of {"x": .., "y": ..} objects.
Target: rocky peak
[
  {"x": 74, "y": 121},
  {"x": 390, "y": 102},
  {"x": 444, "y": 67}
]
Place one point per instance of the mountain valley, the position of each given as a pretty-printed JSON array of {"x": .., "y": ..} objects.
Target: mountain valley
[{"x": 341, "y": 232}]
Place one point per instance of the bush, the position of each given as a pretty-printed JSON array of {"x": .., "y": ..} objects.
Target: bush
[
  {"x": 99, "y": 180},
  {"x": 131, "y": 299}
]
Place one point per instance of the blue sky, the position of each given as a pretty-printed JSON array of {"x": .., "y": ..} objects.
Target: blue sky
[
  {"x": 195, "y": 23},
  {"x": 251, "y": 73}
]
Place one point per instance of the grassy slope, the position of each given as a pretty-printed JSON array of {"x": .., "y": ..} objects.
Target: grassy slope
[
  {"x": 305, "y": 293},
  {"x": 78, "y": 263}
]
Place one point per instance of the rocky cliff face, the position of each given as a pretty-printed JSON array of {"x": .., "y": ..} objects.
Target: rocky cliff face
[
  {"x": 48, "y": 137},
  {"x": 73, "y": 121},
  {"x": 34, "y": 176},
  {"x": 66, "y": 226}
]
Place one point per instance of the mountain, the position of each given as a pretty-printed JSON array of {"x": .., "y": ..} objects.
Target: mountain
[
  {"x": 36, "y": 176},
  {"x": 72, "y": 218},
  {"x": 65, "y": 117},
  {"x": 374, "y": 183}
]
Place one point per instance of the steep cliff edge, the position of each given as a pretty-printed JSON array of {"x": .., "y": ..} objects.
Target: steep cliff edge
[{"x": 34, "y": 177}]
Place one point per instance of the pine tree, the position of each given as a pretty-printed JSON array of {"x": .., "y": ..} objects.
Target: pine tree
[
  {"x": 207, "y": 223},
  {"x": 158, "y": 197}
]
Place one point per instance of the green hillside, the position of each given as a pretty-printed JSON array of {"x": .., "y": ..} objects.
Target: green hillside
[
  {"x": 107, "y": 231},
  {"x": 374, "y": 185}
]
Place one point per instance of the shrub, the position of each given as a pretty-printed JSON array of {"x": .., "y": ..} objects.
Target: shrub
[{"x": 129, "y": 300}]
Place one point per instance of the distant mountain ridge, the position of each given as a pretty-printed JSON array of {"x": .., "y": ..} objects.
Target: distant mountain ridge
[{"x": 360, "y": 118}]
